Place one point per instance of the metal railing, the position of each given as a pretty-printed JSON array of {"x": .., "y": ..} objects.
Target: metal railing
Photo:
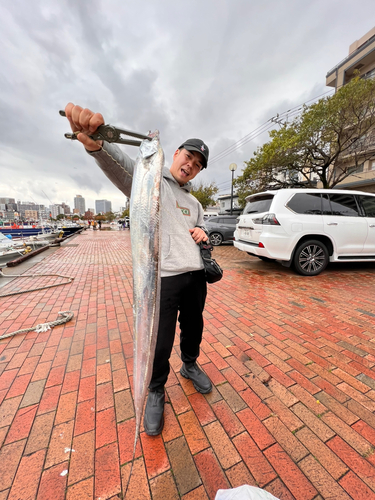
[{"x": 350, "y": 56}]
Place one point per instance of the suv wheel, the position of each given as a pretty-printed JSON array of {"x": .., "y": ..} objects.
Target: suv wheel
[
  {"x": 311, "y": 258},
  {"x": 216, "y": 239}
]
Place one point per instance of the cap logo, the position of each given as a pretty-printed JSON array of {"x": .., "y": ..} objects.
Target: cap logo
[{"x": 202, "y": 148}]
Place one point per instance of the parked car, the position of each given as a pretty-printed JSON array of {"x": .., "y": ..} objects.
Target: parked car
[
  {"x": 207, "y": 215},
  {"x": 221, "y": 228},
  {"x": 308, "y": 228}
]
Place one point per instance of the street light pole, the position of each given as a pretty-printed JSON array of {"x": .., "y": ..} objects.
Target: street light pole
[{"x": 232, "y": 168}]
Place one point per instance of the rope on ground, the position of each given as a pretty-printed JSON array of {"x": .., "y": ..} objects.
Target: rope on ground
[
  {"x": 34, "y": 276},
  {"x": 44, "y": 327}
]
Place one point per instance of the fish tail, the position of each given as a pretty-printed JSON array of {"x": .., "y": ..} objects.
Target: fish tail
[{"x": 137, "y": 427}]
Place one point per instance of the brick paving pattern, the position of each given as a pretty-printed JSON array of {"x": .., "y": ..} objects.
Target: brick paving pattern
[{"x": 291, "y": 359}]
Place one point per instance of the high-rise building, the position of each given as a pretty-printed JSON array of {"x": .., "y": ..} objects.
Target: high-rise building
[
  {"x": 66, "y": 208},
  {"x": 12, "y": 206},
  {"x": 22, "y": 207},
  {"x": 103, "y": 206},
  {"x": 7, "y": 200},
  {"x": 31, "y": 215},
  {"x": 79, "y": 204}
]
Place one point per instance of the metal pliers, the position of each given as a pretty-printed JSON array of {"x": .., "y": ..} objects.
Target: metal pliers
[{"x": 110, "y": 133}]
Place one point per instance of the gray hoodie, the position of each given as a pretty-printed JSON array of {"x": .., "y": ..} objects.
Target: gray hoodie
[{"x": 180, "y": 211}]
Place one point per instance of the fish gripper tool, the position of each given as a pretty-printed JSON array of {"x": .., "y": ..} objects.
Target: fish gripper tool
[{"x": 110, "y": 133}]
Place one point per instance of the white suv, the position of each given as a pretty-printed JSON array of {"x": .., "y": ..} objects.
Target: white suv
[{"x": 308, "y": 228}]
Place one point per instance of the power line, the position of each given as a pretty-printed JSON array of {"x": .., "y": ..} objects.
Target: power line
[
  {"x": 263, "y": 128},
  {"x": 259, "y": 130},
  {"x": 252, "y": 135}
]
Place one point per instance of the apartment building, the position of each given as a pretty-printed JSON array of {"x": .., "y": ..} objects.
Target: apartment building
[
  {"x": 224, "y": 202},
  {"x": 79, "y": 204},
  {"x": 361, "y": 59},
  {"x": 56, "y": 210},
  {"x": 31, "y": 215}
]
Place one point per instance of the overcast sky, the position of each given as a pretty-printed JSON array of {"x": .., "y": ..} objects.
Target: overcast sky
[{"x": 213, "y": 69}]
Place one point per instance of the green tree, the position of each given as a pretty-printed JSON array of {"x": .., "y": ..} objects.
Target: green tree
[
  {"x": 327, "y": 142},
  {"x": 88, "y": 215},
  {"x": 109, "y": 216},
  {"x": 205, "y": 193},
  {"x": 60, "y": 216}
]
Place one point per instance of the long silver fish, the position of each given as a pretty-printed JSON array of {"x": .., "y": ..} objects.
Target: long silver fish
[{"x": 145, "y": 240}]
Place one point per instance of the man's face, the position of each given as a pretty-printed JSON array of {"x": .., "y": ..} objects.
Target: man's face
[{"x": 186, "y": 165}]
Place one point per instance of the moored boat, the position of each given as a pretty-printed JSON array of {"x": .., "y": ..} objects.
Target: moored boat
[
  {"x": 69, "y": 230},
  {"x": 11, "y": 249},
  {"x": 10, "y": 254},
  {"x": 26, "y": 231}
]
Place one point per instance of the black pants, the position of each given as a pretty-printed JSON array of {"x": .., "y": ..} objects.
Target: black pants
[{"x": 186, "y": 294}]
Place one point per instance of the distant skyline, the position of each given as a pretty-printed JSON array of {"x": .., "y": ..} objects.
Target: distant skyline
[
  {"x": 108, "y": 203},
  {"x": 71, "y": 205},
  {"x": 217, "y": 70}
]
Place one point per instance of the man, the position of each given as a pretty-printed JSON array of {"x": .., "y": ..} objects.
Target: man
[{"x": 183, "y": 283}]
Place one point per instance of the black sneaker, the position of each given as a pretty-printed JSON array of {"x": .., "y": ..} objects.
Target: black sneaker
[
  {"x": 153, "y": 420},
  {"x": 200, "y": 380}
]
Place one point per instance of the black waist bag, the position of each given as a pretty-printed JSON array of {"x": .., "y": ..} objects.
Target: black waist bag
[{"x": 212, "y": 269}]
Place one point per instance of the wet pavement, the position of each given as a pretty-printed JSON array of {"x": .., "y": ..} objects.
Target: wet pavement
[{"x": 291, "y": 359}]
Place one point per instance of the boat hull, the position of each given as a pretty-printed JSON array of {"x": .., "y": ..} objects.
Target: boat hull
[
  {"x": 8, "y": 255},
  {"x": 35, "y": 231}
]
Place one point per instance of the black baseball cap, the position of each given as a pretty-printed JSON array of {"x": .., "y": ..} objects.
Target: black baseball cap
[{"x": 199, "y": 146}]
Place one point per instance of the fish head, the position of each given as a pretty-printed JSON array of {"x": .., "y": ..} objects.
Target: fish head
[{"x": 150, "y": 147}]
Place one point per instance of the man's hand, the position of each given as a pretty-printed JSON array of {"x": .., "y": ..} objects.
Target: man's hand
[
  {"x": 198, "y": 235},
  {"x": 86, "y": 122}
]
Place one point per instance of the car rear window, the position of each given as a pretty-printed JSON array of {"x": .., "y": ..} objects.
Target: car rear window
[
  {"x": 317, "y": 204},
  {"x": 306, "y": 203},
  {"x": 259, "y": 204}
]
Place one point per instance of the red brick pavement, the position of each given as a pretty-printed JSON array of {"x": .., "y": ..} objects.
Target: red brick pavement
[{"x": 292, "y": 360}]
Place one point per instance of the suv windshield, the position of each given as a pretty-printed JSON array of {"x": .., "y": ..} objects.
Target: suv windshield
[{"x": 259, "y": 204}]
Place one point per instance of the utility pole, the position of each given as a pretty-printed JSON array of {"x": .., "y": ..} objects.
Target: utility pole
[
  {"x": 232, "y": 168},
  {"x": 278, "y": 120}
]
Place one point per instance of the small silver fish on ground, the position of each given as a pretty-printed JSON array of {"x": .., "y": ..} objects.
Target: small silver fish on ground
[{"x": 145, "y": 216}]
